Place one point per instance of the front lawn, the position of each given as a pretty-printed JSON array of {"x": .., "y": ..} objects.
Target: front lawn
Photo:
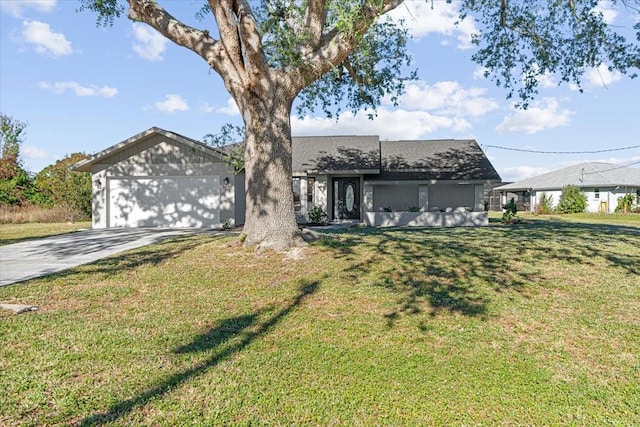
[
  {"x": 14, "y": 233},
  {"x": 529, "y": 324}
]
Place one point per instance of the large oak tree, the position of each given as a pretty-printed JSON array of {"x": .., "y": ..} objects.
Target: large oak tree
[{"x": 344, "y": 53}]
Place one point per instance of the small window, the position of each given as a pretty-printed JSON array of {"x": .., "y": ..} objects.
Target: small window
[
  {"x": 310, "y": 186},
  {"x": 296, "y": 195},
  {"x": 596, "y": 193}
]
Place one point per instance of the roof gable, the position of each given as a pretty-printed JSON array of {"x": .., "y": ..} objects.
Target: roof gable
[
  {"x": 175, "y": 138},
  {"x": 593, "y": 174}
]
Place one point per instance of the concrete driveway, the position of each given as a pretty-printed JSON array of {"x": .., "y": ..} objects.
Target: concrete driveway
[{"x": 39, "y": 257}]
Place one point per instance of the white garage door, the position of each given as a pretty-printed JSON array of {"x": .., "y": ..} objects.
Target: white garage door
[{"x": 182, "y": 201}]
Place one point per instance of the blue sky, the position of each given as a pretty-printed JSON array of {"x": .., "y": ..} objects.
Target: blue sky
[{"x": 84, "y": 88}]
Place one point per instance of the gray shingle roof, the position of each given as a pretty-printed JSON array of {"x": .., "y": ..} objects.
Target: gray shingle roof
[
  {"x": 336, "y": 154},
  {"x": 446, "y": 159},
  {"x": 593, "y": 174}
]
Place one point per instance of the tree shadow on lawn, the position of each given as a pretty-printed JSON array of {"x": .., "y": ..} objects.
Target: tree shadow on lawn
[
  {"x": 244, "y": 328},
  {"x": 457, "y": 269},
  {"x": 153, "y": 254}
]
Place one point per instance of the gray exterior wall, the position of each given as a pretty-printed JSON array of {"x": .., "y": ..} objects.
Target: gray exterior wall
[
  {"x": 159, "y": 157},
  {"x": 443, "y": 196},
  {"x": 397, "y": 197}
]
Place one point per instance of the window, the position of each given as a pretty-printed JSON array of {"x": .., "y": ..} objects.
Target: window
[
  {"x": 297, "y": 206},
  {"x": 310, "y": 185},
  {"x": 596, "y": 193}
]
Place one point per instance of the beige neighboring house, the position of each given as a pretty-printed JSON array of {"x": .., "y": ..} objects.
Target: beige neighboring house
[
  {"x": 602, "y": 183},
  {"x": 162, "y": 179}
]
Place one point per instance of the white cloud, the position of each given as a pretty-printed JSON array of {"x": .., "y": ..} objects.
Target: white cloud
[
  {"x": 443, "y": 18},
  {"x": 231, "y": 109},
  {"x": 149, "y": 44},
  {"x": 389, "y": 124},
  {"x": 171, "y": 104},
  {"x": 33, "y": 152},
  {"x": 608, "y": 10},
  {"x": 78, "y": 89},
  {"x": 601, "y": 76},
  {"x": 45, "y": 40},
  {"x": 17, "y": 7},
  {"x": 449, "y": 98},
  {"x": 543, "y": 114}
]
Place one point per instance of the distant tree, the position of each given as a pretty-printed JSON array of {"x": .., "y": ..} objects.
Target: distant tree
[
  {"x": 58, "y": 185},
  {"x": 11, "y": 137},
  {"x": 336, "y": 54},
  {"x": 15, "y": 182},
  {"x": 572, "y": 200}
]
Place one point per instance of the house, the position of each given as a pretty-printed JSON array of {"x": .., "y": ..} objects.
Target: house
[
  {"x": 390, "y": 183},
  {"x": 162, "y": 179},
  {"x": 602, "y": 183}
]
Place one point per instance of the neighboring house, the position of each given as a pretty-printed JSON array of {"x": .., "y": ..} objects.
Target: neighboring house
[
  {"x": 602, "y": 183},
  {"x": 160, "y": 178}
]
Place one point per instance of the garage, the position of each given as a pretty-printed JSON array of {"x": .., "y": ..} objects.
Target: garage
[
  {"x": 163, "y": 179},
  {"x": 177, "y": 202}
]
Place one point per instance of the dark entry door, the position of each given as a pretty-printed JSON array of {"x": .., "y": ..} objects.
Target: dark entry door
[{"x": 346, "y": 198}]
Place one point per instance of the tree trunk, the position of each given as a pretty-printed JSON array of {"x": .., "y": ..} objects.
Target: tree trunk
[{"x": 270, "y": 221}]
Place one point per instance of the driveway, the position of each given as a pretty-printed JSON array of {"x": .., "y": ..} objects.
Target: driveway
[{"x": 39, "y": 257}]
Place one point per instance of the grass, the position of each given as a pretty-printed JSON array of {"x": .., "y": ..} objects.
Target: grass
[
  {"x": 529, "y": 324},
  {"x": 14, "y": 233}
]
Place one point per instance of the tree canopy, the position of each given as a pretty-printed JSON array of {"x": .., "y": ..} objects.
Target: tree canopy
[{"x": 348, "y": 54}]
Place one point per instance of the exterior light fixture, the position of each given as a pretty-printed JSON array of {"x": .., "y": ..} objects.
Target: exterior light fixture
[
  {"x": 226, "y": 181},
  {"x": 98, "y": 184}
]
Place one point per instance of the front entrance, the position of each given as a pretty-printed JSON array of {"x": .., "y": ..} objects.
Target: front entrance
[{"x": 346, "y": 198}]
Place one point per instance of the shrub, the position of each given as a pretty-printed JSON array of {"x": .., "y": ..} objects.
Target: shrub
[
  {"x": 572, "y": 200},
  {"x": 624, "y": 203},
  {"x": 510, "y": 211},
  {"x": 546, "y": 204},
  {"x": 317, "y": 215}
]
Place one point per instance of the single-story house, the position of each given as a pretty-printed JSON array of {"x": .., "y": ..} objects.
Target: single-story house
[
  {"x": 602, "y": 183},
  {"x": 159, "y": 178}
]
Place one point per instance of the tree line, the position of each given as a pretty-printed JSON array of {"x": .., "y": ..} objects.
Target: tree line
[{"x": 54, "y": 186}]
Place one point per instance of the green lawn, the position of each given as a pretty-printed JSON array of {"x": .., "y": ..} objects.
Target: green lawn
[
  {"x": 530, "y": 324},
  {"x": 14, "y": 233}
]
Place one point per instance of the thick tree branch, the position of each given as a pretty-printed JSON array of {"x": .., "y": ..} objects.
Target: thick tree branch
[
  {"x": 251, "y": 41},
  {"x": 225, "y": 20},
  {"x": 315, "y": 19},
  {"x": 335, "y": 46},
  {"x": 193, "y": 39}
]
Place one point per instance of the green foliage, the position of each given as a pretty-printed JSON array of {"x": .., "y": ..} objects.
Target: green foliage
[
  {"x": 227, "y": 141},
  {"x": 373, "y": 71},
  {"x": 572, "y": 200},
  {"x": 521, "y": 42},
  {"x": 510, "y": 211},
  {"x": 15, "y": 183},
  {"x": 546, "y": 204},
  {"x": 317, "y": 215},
  {"x": 624, "y": 203},
  {"x": 58, "y": 185},
  {"x": 11, "y": 137}
]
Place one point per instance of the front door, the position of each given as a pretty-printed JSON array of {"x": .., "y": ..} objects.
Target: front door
[{"x": 346, "y": 198}]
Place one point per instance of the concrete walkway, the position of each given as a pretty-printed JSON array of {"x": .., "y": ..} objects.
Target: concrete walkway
[{"x": 34, "y": 258}]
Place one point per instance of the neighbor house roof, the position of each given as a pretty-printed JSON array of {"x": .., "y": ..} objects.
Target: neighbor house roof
[
  {"x": 442, "y": 160},
  {"x": 593, "y": 174},
  {"x": 85, "y": 165},
  {"x": 336, "y": 154}
]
